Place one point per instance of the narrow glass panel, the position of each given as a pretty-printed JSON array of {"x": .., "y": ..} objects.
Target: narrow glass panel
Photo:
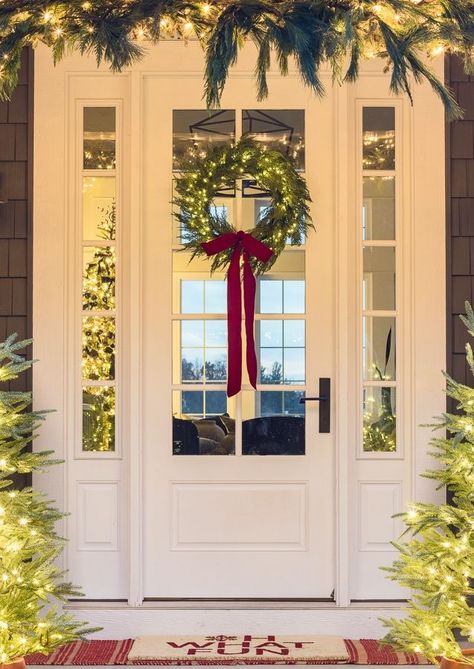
[
  {"x": 216, "y": 333},
  {"x": 278, "y": 129},
  {"x": 294, "y": 333},
  {"x": 202, "y": 424},
  {"x": 98, "y": 419},
  {"x": 192, "y": 365},
  {"x": 98, "y": 208},
  {"x": 378, "y": 212},
  {"x": 192, "y": 297},
  {"x": 99, "y": 138},
  {"x": 216, "y": 365},
  {"x": 195, "y": 131},
  {"x": 294, "y": 297},
  {"x": 271, "y": 296},
  {"x": 294, "y": 365},
  {"x": 273, "y": 423},
  {"x": 378, "y": 138},
  {"x": 378, "y": 348},
  {"x": 379, "y": 420},
  {"x": 98, "y": 348},
  {"x": 271, "y": 365},
  {"x": 98, "y": 279},
  {"x": 271, "y": 333},
  {"x": 215, "y": 297},
  {"x": 192, "y": 333},
  {"x": 379, "y": 278}
]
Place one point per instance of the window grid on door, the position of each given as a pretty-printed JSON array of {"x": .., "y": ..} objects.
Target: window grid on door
[
  {"x": 378, "y": 239},
  {"x": 99, "y": 295},
  {"x": 199, "y": 332}
]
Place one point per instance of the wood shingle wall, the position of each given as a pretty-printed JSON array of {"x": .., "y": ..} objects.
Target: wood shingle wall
[{"x": 15, "y": 216}]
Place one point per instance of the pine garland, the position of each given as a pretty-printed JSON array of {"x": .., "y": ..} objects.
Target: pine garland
[
  {"x": 286, "y": 219},
  {"x": 437, "y": 561},
  {"x": 339, "y": 32}
]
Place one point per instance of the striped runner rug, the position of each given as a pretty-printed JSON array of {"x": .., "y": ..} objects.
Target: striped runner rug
[{"x": 100, "y": 652}]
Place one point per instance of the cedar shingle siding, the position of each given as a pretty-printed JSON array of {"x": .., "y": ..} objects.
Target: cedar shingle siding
[
  {"x": 15, "y": 216},
  {"x": 460, "y": 218}
]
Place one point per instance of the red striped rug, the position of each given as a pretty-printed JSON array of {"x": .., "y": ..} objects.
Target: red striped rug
[{"x": 361, "y": 651}]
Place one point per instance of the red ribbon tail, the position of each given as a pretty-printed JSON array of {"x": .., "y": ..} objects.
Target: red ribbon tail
[
  {"x": 250, "y": 288},
  {"x": 234, "y": 325}
]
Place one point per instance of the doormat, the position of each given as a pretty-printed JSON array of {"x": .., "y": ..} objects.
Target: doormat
[{"x": 93, "y": 653}]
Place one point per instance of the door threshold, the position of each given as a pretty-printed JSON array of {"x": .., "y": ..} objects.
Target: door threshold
[{"x": 231, "y": 605}]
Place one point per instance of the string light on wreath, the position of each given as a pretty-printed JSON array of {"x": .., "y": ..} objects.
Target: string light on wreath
[
  {"x": 241, "y": 253},
  {"x": 340, "y": 33}
]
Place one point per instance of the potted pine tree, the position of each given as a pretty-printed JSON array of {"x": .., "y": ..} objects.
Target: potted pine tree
[
  {"x": 437, "y": 560},
  {"x": 31, "y": 585}
]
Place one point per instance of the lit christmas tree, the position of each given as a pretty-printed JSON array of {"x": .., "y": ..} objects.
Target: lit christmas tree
[
  {"x": 30, "y": 582},
  {"x": 98, "y": 339},
  {"x": 437, "y": 562}
]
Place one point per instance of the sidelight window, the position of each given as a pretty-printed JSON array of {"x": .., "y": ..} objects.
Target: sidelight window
[
  {"x": 99, "y": 278},
  {"x": 379, "y": 296}
]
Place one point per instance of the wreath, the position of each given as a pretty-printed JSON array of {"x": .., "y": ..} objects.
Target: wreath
[
  {"x": 243, "y": 254},
  {"x": 286, "y": 220}
]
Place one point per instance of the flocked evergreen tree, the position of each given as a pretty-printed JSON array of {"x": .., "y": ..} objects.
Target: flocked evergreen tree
[
  {"x": 437, "y": 561},
  {"x": 31, "y": 585}
]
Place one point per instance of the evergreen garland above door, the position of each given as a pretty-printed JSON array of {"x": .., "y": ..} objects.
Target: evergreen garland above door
[{"x": 341, "y": 33}]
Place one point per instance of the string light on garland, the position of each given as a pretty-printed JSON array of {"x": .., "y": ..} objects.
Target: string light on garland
[{"x": 402, "y": 32}]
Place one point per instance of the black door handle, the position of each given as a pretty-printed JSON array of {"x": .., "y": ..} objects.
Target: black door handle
[{"x": 325, "y": 407}]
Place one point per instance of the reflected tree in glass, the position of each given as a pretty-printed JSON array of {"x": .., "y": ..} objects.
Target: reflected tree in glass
[
  {"x": 379, "y": 432},
  {"x": 98, "y": 419}
]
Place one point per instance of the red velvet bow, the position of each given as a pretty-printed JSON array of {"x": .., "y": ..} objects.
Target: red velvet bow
[{"x": 246, "y": 245}]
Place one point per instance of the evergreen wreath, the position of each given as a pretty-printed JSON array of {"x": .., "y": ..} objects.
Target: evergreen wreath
[
  {"x": 286, "y": 220},
  {"x": 341, "y": 33}
]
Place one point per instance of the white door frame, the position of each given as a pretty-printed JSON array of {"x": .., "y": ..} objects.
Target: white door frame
[{"x": 424, "y": 264}]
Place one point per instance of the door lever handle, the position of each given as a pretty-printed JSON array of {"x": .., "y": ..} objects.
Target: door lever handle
[{"x": 325, "y": 407}]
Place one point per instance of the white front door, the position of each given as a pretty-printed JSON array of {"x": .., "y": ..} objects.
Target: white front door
[
  {"x": 239, "y": 494},
  {"x": 174, "y": 491}
]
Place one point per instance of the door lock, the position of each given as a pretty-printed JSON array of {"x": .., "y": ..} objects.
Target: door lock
[{"x": 324, "y": 398}]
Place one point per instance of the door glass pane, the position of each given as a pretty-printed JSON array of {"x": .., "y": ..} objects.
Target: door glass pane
[
  {"x": 378, "y": 348},
  {"x": 202, "y": 423},
  {"x": 198, "y": 130},
  {"x": 273, "y": 423},
  {"x": 378, "y": 138},
  {"x": 99, "y": 138},
  {"x": 277, "y": 296},
  {"x": 98, "y": 418},
  {"x": 202, "y": 347},
  {"x": 98, "y": 208},
  {"x": 282, "y": 352},
  {"x": 378, "y": 213},
  {"x": 379, "y": 279},
  {"x": 278, "y": 129},
  {"x": 98, "y": 279},
  {"x": 379, "y": 431}
]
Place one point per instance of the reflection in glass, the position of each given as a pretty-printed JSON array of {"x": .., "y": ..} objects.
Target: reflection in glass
[
  {"x": 379, "y": 278},
  {"x": 98, "y": 208},
  {"x": 378, "y": 348},
  {"x": 281, "y": 297},
  {"x": 273, "y": 423},
  {"x": 201, "y": 424},
  {"x": 98, "y": 419},
  {"x": 281, "y": 350},
  {"x": 378, "y": 138},
  {"x": 98, "y": 278},
  {"x": 378, "y": 212},
  {"x": 98, "y": 348},
  {"x": 379, "y": 431},
  {"x": 203, "y": 351},
  {"x": 203, "y": 297},
  {"x": 192, "y": 365},
  {"x": 278, "y": 129},
  {"x": 196, "y": 131},
  {"x": 99, "y": 138}
]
